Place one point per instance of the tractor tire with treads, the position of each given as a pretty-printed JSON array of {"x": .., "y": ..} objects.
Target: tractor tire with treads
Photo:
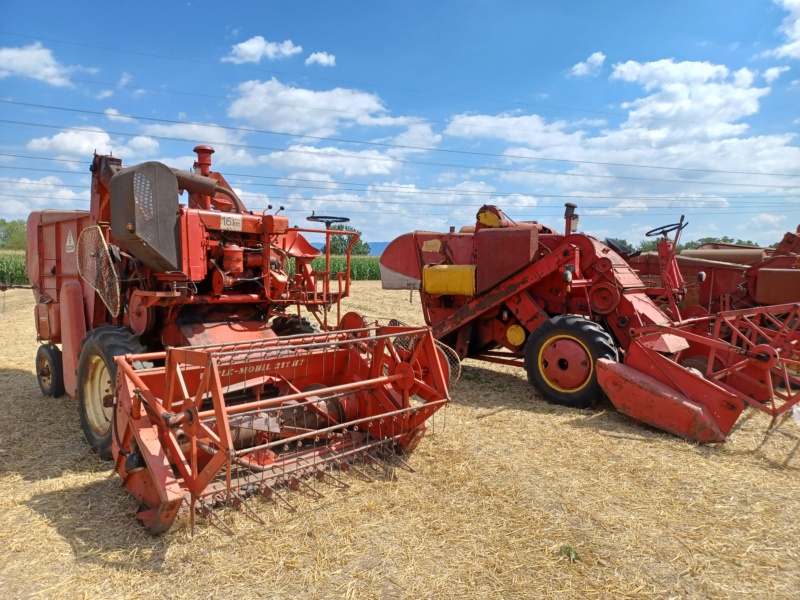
[
  {"x": 50, "y": 370},
  {"x": 97, "y": 374},
  {"x": 560, "y": 358}
]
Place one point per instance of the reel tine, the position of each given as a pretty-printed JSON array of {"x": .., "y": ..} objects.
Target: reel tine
[
  {"x": 346, "y": 466},
  {"x": 271, "y": 494},
  {"x": 324, "y": 476},
  {"x": 361, "y": 475},
  {"x": 393, "y": 458},
  {"x": 386, "y": 468},
  {"x": 240, "y": 504},
  {"x": 211, "y": 517},
  {"x": 298, "y": 485}
]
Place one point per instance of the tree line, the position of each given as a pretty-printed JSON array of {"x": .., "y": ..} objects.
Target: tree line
[{"x": 652, "y": 245}]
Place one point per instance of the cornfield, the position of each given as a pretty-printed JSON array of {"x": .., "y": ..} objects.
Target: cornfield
[
  {"x": 362, "y": 268},
  {"x": 12, "y": 268}
]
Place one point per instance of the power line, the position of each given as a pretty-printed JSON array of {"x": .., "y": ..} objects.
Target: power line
[
  {"x": 340, "y": 81},
  {"x": 401, "y": 160},
  {"x": 394, "y": 146},
  {"x": 463, "y": 207},
  {"x": 339, "y": 111},
  {"x": 402, "y": 191},
  {"x": 401, "y": 188},
  {"x": 282, "y": 104},
  {"x": 509, "y": 206}
]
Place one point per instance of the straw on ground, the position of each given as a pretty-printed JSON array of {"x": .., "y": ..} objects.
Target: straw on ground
[{"x": 512, "y": 498}]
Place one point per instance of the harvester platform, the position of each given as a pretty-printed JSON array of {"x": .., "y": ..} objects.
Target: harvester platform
[{"x": 216, "y": 424}]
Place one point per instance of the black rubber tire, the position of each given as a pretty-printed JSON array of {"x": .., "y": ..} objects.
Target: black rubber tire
[
  {"x": 98, "y": 352},
  {"x": 586, "y": 337},
  {"x": 50, "y": 370},
  {"x": 292, "y": 325}
]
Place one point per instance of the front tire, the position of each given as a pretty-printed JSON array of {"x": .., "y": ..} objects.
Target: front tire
[
  {"x": 97, "y": 376},
  {"x": 560, "y": 358},
  {"x": 50, "y": 370}
]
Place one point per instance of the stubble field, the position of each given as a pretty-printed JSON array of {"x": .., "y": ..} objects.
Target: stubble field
[{"x": 511, "y": 498}]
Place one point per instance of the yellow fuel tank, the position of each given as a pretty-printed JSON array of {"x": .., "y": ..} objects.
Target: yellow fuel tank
[{"x": 449, "y": 280}]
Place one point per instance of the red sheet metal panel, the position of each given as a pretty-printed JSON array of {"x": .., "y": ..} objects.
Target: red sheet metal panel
[
  {"x": 777, "y": 286},
  {"x": 503, "y": 252}
]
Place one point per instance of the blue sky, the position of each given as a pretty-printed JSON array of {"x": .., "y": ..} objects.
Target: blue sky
[{"x": 411, "y": 115}]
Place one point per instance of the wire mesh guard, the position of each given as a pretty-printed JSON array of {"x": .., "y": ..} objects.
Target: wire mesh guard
[
  {"x": 450, "y": 356},
  {"x": 245, "y": 419},
  {"x": 96, "y": 268}
]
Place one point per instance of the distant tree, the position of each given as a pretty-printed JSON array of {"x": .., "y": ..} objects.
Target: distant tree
[
  {"x": 12, "y": 234},
  {"x": 339, "y": 243},
  {"x": 651, "y": 245},
  {"x": 648, "y": 245}
]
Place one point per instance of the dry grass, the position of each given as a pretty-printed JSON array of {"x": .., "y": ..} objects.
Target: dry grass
[{"x": 512, "y": 498}]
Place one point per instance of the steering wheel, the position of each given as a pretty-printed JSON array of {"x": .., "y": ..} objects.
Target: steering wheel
[
  {"x": 665, "y": 229},
  {"x": 328, "y": 220}
]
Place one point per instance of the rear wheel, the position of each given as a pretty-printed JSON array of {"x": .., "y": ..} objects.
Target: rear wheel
[
  {"x": 97, "y": 375},
  {"x": 50, "y": 370},
  {"x": 560, "y": 359}
]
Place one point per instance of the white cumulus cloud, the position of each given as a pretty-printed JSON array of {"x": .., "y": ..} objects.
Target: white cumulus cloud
[
  {"x": 790, "y": 28},
  {"x": 322, "y": 58},
  {"x": 666, "y": 71},
  {"x": 275, "y": 106},
  {"x": 682, "y": 115},
  {"x": 415, "y": 139},
  {"x": 87, "y": 141},
  {"x": 112, "y": 114},
  {"x": 203, "y": 133},
  {"x": 336, "y": 161},
  {"x": 698, "y": 97},
  {"x": 317, "y": 180},
  {"x": 532, "y": 130},
  {"x": 773, "y": 73},
  {"x": 74, "y": 143},
  {"x": 256, "y": 48},
  {"x": 768, "y": 220},
  {"x": 36, "y": 62},
  {"x": 591, "y": 66},
  {"x": 35, "y": 194}
]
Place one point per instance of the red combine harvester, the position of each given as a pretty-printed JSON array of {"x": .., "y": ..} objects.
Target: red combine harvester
[
  {"x": 578, "y": 318},
  {"x": 733, "y": 276},
  {"x": 185, "y": 337}
]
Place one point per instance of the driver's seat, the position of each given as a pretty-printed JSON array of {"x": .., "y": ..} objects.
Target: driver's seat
[{"x": 623, "y": 250}]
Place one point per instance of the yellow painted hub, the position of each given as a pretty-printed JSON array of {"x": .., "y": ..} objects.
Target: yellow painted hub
[
  {"x": 566, "y": 363},
  {"x": 515, "y": 334}
]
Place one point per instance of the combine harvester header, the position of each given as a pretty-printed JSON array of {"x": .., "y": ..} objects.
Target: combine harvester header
[{"x": 306, "y": 404}]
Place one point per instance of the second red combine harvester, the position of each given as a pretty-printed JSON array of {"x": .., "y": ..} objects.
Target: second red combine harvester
[
  {"x": 184, "y": 334},
  {"x": 571, "y": 311}
]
